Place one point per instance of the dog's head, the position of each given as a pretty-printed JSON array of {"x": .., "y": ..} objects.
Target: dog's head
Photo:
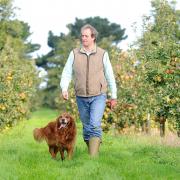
[{"x": 64, "y": 120}]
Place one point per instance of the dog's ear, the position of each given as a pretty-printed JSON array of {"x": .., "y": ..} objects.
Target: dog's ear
[
  {"x": 72, "y": 122},
  {"x": 72, "y": 118},
  {"x": 57, "y": 123}
]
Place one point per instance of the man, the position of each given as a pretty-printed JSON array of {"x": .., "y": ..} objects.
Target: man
[{"x": 92, "y": 71}]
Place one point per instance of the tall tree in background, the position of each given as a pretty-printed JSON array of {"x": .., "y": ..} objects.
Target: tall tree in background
[
  {"x": 18, "y": 78},
  {"x": 55, "y": 62},
  {"x": 19, "y": 30},
  {"x": 103, "y": 26}
]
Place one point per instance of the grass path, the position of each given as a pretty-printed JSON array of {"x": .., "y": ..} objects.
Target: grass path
[{"x": 123, "y": 157}]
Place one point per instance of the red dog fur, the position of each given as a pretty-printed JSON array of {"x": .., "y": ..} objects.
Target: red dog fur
[{"x": 60, "y": 135}]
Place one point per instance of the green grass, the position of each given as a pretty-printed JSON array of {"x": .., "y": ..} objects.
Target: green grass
[{"x": 121, "y": 157}]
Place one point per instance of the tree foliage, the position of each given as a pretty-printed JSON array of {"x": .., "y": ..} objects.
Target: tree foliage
[
  {"x": 53, "y": 63},
  {"x": 148, "y": 75},
  {"x": 18, "y": 76},
  {"x": 159, "y": 51}
]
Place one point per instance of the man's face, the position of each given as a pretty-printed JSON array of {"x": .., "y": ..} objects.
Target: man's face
[{"x": 86, "y": 38}]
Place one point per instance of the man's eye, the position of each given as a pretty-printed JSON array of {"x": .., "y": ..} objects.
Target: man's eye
[{"x": 84, "y": 36}]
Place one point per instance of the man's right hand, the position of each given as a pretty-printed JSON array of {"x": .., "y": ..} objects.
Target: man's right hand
[{"x": 65, "y": 95}]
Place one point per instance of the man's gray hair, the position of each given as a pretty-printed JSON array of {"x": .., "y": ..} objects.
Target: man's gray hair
[{"x": 94, "y": 32}]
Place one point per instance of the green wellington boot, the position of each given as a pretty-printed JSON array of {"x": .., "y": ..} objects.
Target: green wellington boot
[{"x": 94, "y": 144}]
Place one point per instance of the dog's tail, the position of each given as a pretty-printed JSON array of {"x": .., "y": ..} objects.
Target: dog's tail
[{"x": 38, "y": 134}]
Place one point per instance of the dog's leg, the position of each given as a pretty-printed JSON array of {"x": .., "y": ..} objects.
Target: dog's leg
[
  {"x": 56, "y": 150},
  {"x": 69, "y": 153},
  {"x": 52, "y": 151},
  {"x": 62, "y": 153}
]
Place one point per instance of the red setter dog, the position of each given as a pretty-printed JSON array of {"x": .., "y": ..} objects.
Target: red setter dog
[{"x": 60, "y": 135}]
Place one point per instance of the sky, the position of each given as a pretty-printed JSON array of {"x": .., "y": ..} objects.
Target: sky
[{"x": 45, "y": 15}]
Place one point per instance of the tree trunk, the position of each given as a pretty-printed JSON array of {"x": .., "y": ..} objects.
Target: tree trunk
[
  {"x": 178, "y": 133},
  {"x": 148, "y": 124},
  {"x": 142, "y": 127},
  {"x": 162, "y": 129},
  {"x": 162, "y": 121}
]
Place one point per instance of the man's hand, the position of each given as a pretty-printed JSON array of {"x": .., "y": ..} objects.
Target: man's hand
[
  {"x": 65, "y": 95},
  {"x": 111, "y": 103}
]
